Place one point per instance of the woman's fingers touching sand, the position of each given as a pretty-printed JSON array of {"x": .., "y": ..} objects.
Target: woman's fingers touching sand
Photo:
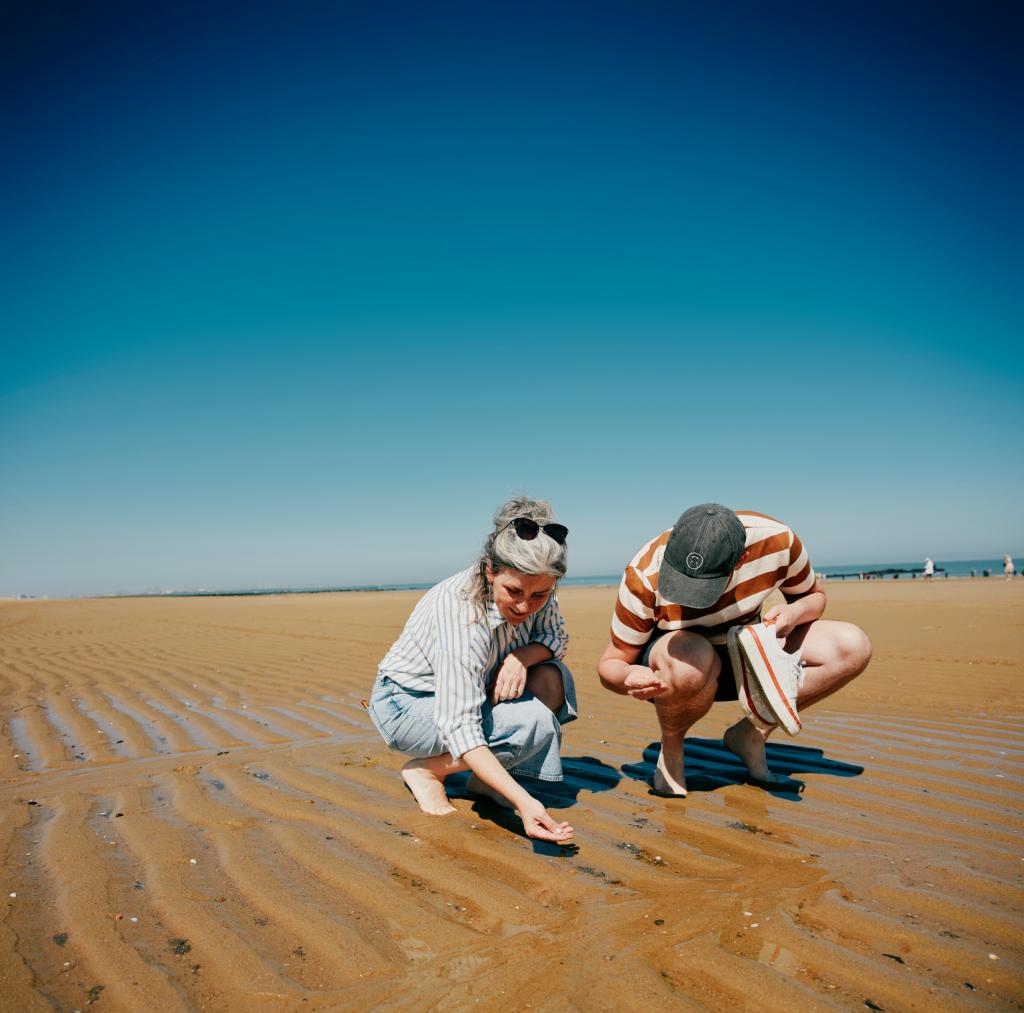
[
  {"x": 559, "y": 832},
  {"x": 539, "y": 825}
]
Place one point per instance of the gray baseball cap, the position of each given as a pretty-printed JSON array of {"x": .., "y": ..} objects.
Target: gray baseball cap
[{"x": 704, "y": 548}]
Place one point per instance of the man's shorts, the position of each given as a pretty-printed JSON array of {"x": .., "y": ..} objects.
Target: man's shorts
[{"x": 726, "y": 681}]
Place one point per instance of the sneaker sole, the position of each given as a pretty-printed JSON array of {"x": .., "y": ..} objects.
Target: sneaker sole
[
  {"x": 747, "y": 687},
  {"x": 768, "y": 682}
]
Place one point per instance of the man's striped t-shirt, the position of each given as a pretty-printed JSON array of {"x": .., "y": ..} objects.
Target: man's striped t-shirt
[{"x": 774, "y": 558}]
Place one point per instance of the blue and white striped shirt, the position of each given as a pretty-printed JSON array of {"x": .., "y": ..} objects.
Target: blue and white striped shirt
[{"x": 451, "y": 649}]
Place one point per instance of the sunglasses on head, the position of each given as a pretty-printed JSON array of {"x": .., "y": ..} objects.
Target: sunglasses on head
[{"x": 528, "y": 529}]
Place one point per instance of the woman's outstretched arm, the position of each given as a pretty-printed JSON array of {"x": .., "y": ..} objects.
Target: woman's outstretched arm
[{"x": 536, "y": 821}]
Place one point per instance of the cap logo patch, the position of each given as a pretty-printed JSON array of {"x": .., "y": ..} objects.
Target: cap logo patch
[{"x": 694, "y": 561}]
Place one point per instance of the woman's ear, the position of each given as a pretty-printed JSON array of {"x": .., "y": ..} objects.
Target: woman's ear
[{"x": 488, "y": 573}]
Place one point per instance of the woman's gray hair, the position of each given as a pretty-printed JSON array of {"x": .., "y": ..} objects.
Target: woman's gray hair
[{"x": 505, "y": 550}]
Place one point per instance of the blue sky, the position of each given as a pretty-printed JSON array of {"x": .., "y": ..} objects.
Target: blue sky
[{"x": 300, "y": 297}]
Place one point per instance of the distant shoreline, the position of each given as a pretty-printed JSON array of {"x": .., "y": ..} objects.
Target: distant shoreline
[{"x": 956, "y": 569}]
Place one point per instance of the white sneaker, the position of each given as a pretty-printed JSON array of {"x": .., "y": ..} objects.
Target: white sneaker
[
  {"x": 776, "y": 673},
  {"x": 748, "y": 690}
]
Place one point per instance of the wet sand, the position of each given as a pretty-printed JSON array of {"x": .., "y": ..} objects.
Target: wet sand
[{"x": 197, "y": 814}]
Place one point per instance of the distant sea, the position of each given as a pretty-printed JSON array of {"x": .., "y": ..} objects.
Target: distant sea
[
  {"x": 886, "y": 571},
  {"x": 943, "y": 568},
  {"x": 915, "y": 569}
]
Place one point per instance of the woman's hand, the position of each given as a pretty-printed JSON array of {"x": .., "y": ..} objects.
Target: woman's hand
[
  {"x": 642, "y": 684},
  {"x": 511, "y": 680},
  {"x": 540, "y": 826}
]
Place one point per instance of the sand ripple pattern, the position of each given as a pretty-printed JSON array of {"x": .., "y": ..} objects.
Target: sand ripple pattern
[{"x": 198, "y": 815}]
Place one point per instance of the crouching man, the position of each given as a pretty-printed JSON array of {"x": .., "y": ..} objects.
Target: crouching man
[{"x": 678, "y": 599}]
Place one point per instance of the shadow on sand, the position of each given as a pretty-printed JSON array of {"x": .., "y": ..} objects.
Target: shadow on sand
[
  {"x": 709, "y": 766},
  {"x": 582, "y": 773}
]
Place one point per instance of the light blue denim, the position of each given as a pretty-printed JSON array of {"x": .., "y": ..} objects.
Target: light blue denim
[{"x": 524, "y": 735}]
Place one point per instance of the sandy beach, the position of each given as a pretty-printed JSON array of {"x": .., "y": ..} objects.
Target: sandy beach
[{"x": 198, "y": 814}]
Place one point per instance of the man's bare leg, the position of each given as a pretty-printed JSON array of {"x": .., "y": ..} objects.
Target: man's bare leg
[
  {"x": 834, "y": 653},
  {"x": 688, "y": 663},
  {"x": 425, "y": 779},
  {"x": 747, "y": 741}
]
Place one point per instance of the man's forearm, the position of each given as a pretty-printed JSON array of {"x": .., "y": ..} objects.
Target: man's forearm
[
  {"x": 612, "y": 674},
  {"x": 808, "y": 608}
]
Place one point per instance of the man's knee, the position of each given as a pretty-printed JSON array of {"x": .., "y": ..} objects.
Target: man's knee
[
  {"x": 852, "y": 647},
  {"x": 687, "y": 662}
]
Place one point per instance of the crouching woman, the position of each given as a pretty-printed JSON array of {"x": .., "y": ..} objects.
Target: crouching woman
[{"x": 476, "y": 682}]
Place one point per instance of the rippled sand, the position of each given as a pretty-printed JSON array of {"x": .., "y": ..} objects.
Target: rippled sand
[{"x": 197, "y": 814}]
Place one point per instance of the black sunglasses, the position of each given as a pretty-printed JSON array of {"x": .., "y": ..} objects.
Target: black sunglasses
[{"x": 527, "y": 530}]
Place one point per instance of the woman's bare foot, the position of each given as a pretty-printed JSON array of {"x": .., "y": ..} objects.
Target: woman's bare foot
[
  {"x": 670, "y": 773},
  {"x": 747, "y": 742},
  {"x": 427, "y": 788},
  {"x": 477, "y": 787}
]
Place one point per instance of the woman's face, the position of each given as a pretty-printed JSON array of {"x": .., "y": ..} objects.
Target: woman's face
[{"x": 518, "y": 595}]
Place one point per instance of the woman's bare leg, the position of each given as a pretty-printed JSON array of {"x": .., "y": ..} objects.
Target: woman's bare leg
[
  {"x": 545, "y": 683},
  {"x": 425, "y": 779}
]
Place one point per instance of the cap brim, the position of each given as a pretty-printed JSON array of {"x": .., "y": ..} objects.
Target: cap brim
[{"x": 692, "y": 592}]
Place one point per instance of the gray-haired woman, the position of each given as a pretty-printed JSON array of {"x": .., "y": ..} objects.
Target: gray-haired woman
[{"x": 476, "y": 682}]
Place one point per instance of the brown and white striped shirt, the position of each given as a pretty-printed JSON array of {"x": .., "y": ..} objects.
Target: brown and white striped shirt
[{"x": 775, "y": 558}]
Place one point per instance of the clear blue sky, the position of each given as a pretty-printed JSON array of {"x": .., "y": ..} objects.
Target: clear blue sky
[{"x": 299, "y": 298}]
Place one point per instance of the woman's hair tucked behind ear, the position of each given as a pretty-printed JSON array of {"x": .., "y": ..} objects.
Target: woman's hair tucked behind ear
[{"x": 504, "y": 549}]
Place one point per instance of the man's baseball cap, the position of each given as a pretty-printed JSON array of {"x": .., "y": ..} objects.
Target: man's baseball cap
[{"x": 705, "y": 545}]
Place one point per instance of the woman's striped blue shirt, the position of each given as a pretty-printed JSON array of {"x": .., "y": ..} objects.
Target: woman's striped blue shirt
[{"x": 452, "y": 647}]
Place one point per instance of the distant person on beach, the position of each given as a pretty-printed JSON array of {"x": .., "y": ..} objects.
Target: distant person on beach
[
  {"x": 929, "y": 569},
  {"x": 678, "y": 598},
  {"x": 476, "y": 682},
  {"x": 1008, "y": 568}
]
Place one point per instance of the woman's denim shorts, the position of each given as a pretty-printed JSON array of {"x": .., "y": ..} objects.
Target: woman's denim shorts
[{"x": 523, "y": 734}]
